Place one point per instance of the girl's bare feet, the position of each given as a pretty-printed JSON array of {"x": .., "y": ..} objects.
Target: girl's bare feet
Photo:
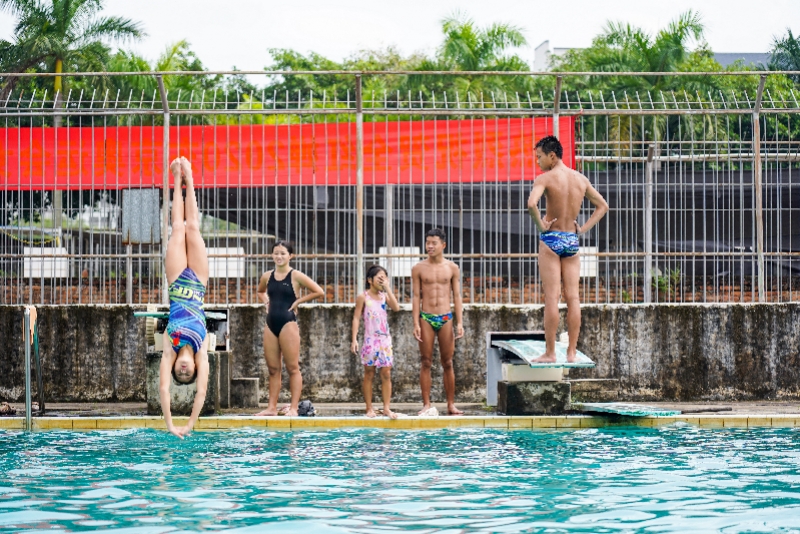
[
  {"x": 371, "y": 413},
  {"x": 177, "y": 172},
  {"x": 186, "y": 169},
  {"x": 389, "y": 413},
  {"x": 269, "y": 412}
]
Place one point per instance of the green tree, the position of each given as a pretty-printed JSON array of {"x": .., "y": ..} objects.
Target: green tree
[
  {"x": 337, "y": 87},
  {"x": 177, "y": 56},
  {"x": 63, "y": 35},
  {"x": 467, "y": 47},
  {"x": 785, "y": 54},
  {"x": 625, "y": 48}
]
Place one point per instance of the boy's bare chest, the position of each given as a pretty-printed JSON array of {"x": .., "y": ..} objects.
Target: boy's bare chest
[{"x": 436, "y": 276}]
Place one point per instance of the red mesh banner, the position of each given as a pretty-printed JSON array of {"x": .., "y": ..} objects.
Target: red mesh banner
[{"x": 397, "y": 152}]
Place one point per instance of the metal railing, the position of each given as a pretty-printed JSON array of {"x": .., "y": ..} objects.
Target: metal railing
[{"x": 703, "y": 188}]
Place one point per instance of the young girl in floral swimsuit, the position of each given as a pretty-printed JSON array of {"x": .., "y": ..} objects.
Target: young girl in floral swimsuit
[{"x": 377, "y": 349}]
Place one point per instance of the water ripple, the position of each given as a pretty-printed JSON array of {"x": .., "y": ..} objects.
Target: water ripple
[{"x": 673, "y": 479}]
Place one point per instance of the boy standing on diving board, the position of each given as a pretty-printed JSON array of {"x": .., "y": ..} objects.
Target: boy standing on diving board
[
  {"x": 564, "y": 189},
  {"x": 432, "y": 280}
]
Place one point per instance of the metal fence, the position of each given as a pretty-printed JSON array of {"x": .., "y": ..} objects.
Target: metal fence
[{"x": 704, "y": 190}]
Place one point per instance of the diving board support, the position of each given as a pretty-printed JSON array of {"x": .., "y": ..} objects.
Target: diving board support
[{"x": 517, "y": 383}]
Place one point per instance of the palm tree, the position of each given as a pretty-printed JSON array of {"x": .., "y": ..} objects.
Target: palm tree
[
  {"x": 469, "y": 48},
  {"x": 61, "y": 35},
  {"x": 626, "y": 48},
  {"x": 177, "y": 56},
  {"x": 786, "y": 54}
]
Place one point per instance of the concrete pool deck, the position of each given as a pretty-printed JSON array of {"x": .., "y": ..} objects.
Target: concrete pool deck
[{"x": 90, "y": 416}]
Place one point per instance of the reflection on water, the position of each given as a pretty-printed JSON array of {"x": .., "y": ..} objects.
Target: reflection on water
[{"x": 673, "y": 479}]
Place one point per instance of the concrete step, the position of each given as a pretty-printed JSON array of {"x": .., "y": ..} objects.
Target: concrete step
[
  {"x": 533, "y": 398},
  {"x": 244, "y": 393},
  {"x": 595, "y": 389}
]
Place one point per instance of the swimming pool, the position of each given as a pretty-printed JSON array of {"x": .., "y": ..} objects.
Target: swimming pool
[{"x": 677, "y": 478}]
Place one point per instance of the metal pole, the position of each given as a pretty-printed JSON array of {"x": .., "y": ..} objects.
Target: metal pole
[
  {"x": 165, "y": 204},
  {"x": 557, "y": 106},
  {"x": 648, "y": 226},
  {"x": 759, "y": 209},
  {"x": 129, "y": 274},
  {"x": 26, "y": 337},
  {"x": 359, "y": 185},
  {"x": 389, "y": 214}
]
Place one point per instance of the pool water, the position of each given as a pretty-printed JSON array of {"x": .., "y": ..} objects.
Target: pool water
[{"x": 671, "y": 479}]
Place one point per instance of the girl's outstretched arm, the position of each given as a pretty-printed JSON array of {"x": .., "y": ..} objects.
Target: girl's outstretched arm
[
  {"x": 202, "y": 388},
  {"x": 168, "y": 357}
]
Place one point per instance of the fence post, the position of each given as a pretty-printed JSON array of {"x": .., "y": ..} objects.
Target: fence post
[
  {"x": 129, "y": 274},
  {"x": 359, "y": 185},
  {"x": 165, "y": 204},
  {"x": 648, "y": 226},
  {"x": 26, "y": 338},
  {"x": 759, "y": 208},
  {"x": 557, "y": 106},
  {"x": 389, "y": 218}
]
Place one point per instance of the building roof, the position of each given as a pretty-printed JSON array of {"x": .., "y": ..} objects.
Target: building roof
[{"x": 748, "y": 58}]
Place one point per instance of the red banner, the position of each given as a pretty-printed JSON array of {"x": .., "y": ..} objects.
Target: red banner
[{"x": 400, "y": 152}]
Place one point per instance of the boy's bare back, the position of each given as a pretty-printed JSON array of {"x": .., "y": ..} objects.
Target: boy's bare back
[{"x": 564, "y": 189}]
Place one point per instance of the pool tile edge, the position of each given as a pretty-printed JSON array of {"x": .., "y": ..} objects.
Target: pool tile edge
[{"x": 567, "y": 422}]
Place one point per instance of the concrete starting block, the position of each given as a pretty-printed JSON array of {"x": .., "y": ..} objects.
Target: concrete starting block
[{"x": 517, "y": 385}]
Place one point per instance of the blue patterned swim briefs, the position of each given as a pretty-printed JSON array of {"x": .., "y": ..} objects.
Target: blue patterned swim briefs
[{"x": 565, "y": 244}]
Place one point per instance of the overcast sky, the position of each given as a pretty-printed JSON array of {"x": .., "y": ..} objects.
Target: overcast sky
[{"x": 239, "y": 32}]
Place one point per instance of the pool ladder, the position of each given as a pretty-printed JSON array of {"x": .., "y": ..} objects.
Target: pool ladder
[{"x": 31, "y": 337}]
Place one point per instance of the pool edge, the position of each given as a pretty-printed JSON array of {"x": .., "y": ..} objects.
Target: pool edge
[{"x": 405, "y": 423}]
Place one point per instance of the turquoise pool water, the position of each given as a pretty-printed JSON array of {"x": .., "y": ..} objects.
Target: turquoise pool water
[{"x": 674, "y": 479}]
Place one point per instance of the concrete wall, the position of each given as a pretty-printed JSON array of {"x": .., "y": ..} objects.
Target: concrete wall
[{"x": 658, "y": 352}]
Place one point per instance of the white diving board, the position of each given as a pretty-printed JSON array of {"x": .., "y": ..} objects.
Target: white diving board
[{"x": 530, "y": 349}]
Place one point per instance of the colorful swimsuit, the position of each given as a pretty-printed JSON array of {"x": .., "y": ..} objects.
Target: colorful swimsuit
[
  {"x": 565, "y": 244},
  {"x": 436, "y": 321},
  {"x": 377, "y": 349},
  {"x": 187, "y": 320}
]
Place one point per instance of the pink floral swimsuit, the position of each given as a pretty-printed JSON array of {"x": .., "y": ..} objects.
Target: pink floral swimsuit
[{"x": 377, "y": 349}]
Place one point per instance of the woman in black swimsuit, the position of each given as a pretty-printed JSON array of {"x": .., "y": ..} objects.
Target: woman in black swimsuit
[{"x": 278, "y": 289}]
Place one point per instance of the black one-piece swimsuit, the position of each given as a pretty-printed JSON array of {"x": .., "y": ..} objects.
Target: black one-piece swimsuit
[{"x": 281, "y": 297}]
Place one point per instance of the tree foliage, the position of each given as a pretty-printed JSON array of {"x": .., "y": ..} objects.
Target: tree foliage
[
  {"x": 785, "y": 54},
  {"x": 621, "y": 47},
  {"x": 61, "y": 36},
  {"x": 467, "y": 47}
]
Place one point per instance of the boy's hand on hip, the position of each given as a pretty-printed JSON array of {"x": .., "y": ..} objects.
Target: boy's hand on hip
[{"x": 547, "y": 224}]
